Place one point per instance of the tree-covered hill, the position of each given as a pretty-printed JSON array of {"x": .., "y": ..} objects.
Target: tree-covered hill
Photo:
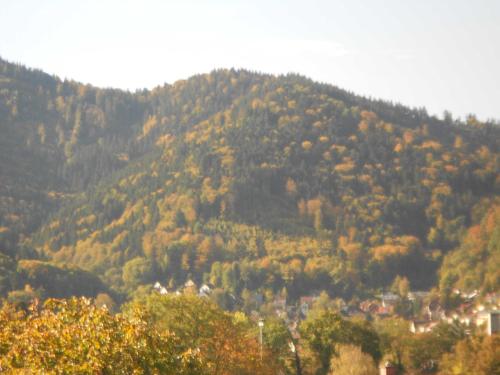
[{"x": 249, "y": 181}]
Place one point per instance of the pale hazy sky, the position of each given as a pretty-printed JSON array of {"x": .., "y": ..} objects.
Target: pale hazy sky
[{"x": 441, "y": 54}]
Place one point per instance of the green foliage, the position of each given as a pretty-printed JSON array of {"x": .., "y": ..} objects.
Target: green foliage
[
  {"x": 281, "y": 181},
  {"x": 479, "y": 355},
  {"x": 74, "y": 336},
  {"x": 59, "y": 281},
  {"x": 254, "y": 183},
  {"x": 7, "y": 275},
  {"x": 224, "y": 344},
  {"x": 326, "y": 329},
  {"x": 136, "y": 272},
  {"x": 351, "y": 360},
  {"x": 277, "y": 338},
  {"x": 475, "y": 263},
  {"x": 417, "y": 352}
]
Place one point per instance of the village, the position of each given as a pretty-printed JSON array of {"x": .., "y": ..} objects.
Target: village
[{"x": 422, "y": 309}]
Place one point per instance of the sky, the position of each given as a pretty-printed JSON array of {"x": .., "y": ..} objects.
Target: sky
[{"x": 437, "y": 54}]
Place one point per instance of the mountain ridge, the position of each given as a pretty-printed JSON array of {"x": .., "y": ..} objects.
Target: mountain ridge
[{"x": 300, "y": 185}]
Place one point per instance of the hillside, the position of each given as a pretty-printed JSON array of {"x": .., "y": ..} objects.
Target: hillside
[{"x": 248, "y": 181}]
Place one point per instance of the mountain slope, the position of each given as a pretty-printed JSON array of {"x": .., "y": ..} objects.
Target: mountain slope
[
  {"x": 248, "y": 181},
  {"x": 474, "y": 265}
]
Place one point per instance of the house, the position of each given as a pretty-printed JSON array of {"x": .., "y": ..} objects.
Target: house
[
  {"x": 305, "y": 304},
  {"x": 490, "y": 320},
  {"x": 389, "y": 299},
  {"x": 352, "y": 311},
  {"x": 279, "y": 303},
  {"x": 309, "y": 300},
  {"x": 466, "y": 320},
  {"x": 422, "y": 326},
  {"x": 385, "y": 311},
  {"x": 466, "y": 307},
  {"x": 470, "y": 296},
  {"x": 190, "y": 287},
  {"x": 493, "y": 299},
  {"x": 371, "y": 307},
  {"x": 387, "y": 368},
  {"x": 282, "y": 314},
  {"x": 205, "y": 290},
  {"x": 160, "y": 289},
  {"x": 417, "y": 295},
  {"x": 434, "y": 310}
]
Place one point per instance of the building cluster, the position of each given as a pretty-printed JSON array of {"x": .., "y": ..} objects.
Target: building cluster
[
  {"x": 427, "y": 311},
  {"x": 189, "y": 287},
  {"x": 470, "y": 313}
]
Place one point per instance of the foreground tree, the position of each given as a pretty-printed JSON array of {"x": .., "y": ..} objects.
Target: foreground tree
[
  {"x": 225, "y": 344},
  {"x": 76, "y": 337},
  {"x": 352, "y": 361},
  {"x": 479, "y": 356},
  {"x": 322, "y": 331}
]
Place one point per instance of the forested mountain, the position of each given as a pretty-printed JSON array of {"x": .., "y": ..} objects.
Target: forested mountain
[{"x": 245, "y": 180}]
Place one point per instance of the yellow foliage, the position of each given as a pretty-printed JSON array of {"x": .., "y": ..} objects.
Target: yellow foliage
[
  {"x": 190, "y": 136},
  {"x": 318, "y": 125},
  {"x": 431, "y": 172},
  {"x": 408, "y": 137},
  {"x": 82, "y": 232},
  {"x": 87, "y": 220},
  {"x": 442, "y": 189},
  {"x": 352, "y": 250},
  {"x": 484, "y": 153},
  {"x": 208, "y": 193},
  {"x": 302, "y": 207},
  {"x": 345, "y": 167},
  {"x": 451, "y": 169},
  {"x": 117, "y": 241},
  {"x": 459, "y": 142},
  {"x": 363, "y": 126},
  {"x": 389, "y": 128},
  {"x": 296, "y": 265},
  {"x": 227, "y": 153},
  {"x": 283, "y": 120},
  {"x": 147, "y": 244},
  {"x": 147, "y": 218},
  {"x": 257, "y": 103},
  {"x": 307, "y": 145},
  {"x": 339, "y": 149},
  {"x": 165, "y": 140},
  {"x": 150, "y": 123},
  {"x": 55, "y": 224},
  {"x": 365, "y": 178},
  {"x": 432, "y": 145},
  {"x": 369, "y": 116},
  {"x": 384, "y": 251},
  {"x": 313, "y": 205}
]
